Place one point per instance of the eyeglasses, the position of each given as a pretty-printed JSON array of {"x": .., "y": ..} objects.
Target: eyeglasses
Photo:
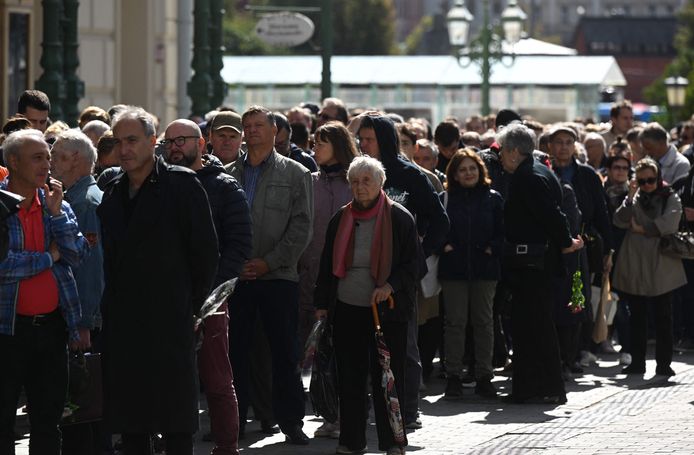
[
  {"x": 326, "y": 117},
  {"x": 649, "y": 180},
  {"x": 179, "y": 141},
  {"x": 620, "y": 168}
]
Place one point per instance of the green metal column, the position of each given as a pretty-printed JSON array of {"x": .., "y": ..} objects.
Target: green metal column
[
  {"x": 219, "y": 87},
  {"x": 200, "y": 85},
  {"x": 326, "y": 36},
  {"x": 51, "y": 81},
  {"x": 74, "y": 87}
]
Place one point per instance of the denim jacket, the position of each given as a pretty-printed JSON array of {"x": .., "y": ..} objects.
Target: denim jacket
[
  {"x": 84, "y": 197},
  {"x": 21, "y": 264},
  {"x": 281, "y": 212}
]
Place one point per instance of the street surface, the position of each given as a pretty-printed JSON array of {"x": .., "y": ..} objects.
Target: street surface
[{"x": 606, "y": 413}]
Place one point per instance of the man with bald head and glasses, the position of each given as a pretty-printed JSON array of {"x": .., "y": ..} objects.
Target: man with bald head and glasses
[{"x": 184, "y": 146}]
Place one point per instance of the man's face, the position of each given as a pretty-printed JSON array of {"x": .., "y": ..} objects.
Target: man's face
[
  {"x": 38, "y": 119},
  {"x": 226, "y": 144},
  {"x": 31, "y": 165},
  {"x": 619, "y": 171},
  {"x": 624, "y": 121},
  {"x": 134, "y": 149},
  {"x": 282, "y": 142},
  {"x": 425, "y": 158},
  {"x": 561, "y": 147},
  {"x": 191, "y": 146},
  {"x": 62, "y": 162},
  {"x": 326, "y": 114},
  {"x": 447, "y": 151},
  {"x": 368, "y": 143},
  {"x": 509, "y": 159},
  {"x": 654, "y": 149},
  {"x": 258, "y": 131}
]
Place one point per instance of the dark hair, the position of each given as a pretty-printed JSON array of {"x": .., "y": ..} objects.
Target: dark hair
[
  {"x": 281, "y": 122},
  {"x": 299, "y": 133},
  {"x": 34, "y": 99},
  {"x": 446, "y": 134},
  {"x": 620, "y": 147},
  {"x": 406, "y": 130},
  {"x": 15, "y": 123},
  {"x": 253, "y": 110},
  {"x": 344, "y": 148},
  {"x": 653, "y": 132},
  {"x": 457, "y": 160},
  {"x": 614, "y": 158},
  {"x": 617, "y": 107},
  {"x": 90, "y": 113},
  {"x": 105, "y": 145}
]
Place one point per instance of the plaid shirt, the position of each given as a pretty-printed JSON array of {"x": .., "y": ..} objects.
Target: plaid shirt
[{"x": 21, "y": 264}]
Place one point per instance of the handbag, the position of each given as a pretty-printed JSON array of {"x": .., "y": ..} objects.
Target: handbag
[
  {"x": 85, "y": 400},
  {"x": 431, "y": 285},
  {"x": 679, "y": 245}
]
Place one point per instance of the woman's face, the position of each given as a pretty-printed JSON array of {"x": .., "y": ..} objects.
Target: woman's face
[
  {"x": 324, "y": 153},
  {"x": 619, "y": 171},
  {"x": 406, "y": 146},
  {"x": 647, "y": 180},
  {"x": 468, "y": 174},
  {"x": 365, "y": 188}
]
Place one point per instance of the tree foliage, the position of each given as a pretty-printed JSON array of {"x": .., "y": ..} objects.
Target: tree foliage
[{"x": 683, "y": 65}]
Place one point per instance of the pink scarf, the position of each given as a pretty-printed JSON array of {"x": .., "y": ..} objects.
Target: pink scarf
[{"x": 381, "y": 244}]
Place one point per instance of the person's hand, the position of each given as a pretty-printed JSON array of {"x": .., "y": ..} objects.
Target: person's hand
[
  {"x": 381, "y": 293},
  {"x": 488, "y": 251},
  {"x": 85, "y": 341},
  {"x": 321, "y": 314},
  {"x": 633, "y": 188},
  {"x": 54, "y": 251},
  {"x": 254, "y": 269},
  {"x": 636, "y": 227},
  {"x": 607, "y": 264},
  {"x": 576, "y": 244},
  {"x": 448, "y": 248},
  {"x": 54, "y": 197},
  {"x": 689, "y": 213}
]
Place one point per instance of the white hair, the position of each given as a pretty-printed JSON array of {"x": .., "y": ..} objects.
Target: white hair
[
  {"x": 15, "y": 141},
  {"x": 96, "y": 126},
  {"x": 77, "y": 141},
  {"x": 364, "y": 164}
]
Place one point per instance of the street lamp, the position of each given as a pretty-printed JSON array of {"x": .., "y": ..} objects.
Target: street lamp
[
  {"x": 676, "y": 88},
  {"x": 487, "y": 47}
]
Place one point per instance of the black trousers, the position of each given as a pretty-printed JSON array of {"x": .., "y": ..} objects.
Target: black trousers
[
  {"x": 536, "y": 360},
  {"x": 355, "y": 352},
  {"x": 35, "y": 358},
  {"x": 276, "y": 303},
  {"x": 662, "y": 307}
]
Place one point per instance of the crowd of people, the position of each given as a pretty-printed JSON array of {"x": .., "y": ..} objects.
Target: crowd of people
[{"x": 478, "y": 241}]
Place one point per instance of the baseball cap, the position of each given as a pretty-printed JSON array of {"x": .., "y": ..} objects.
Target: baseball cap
[
  {"x": 562, "y": 129},
  {"x": 226, "y": 119}
]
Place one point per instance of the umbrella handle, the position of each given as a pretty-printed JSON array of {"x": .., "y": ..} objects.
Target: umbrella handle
[{"x": 374, "y": 311}]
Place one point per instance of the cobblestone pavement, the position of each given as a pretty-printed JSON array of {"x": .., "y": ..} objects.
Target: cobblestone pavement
[{"x": 606, "y": 413}]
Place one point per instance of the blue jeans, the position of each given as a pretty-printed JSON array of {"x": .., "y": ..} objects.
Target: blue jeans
[
  {"x": 276, "y": 302},
  {"x": 35, "y": 358}
]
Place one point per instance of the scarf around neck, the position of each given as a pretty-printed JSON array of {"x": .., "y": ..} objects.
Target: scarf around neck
[{"x": 381, "y": 244}]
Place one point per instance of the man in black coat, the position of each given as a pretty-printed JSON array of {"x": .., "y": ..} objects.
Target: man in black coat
[
  {"x": 160, "y": 259},
  {"x": 537, "y": 233},
  {"x": 184, "y": 145}
]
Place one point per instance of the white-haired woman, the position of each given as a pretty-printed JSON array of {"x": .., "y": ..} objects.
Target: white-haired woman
[{"x": 370, "y": 254}]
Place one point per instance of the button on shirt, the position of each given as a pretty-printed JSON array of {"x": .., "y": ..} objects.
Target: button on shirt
[{"x": 38, "y": 294}]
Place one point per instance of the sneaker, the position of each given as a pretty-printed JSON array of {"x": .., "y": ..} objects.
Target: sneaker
[
  {"x": 328, "y": 430},
  {"x": 485, "y": 389},
  {"x": 416, "y": 424},
  {"x": 587, "y": 358},
  {"x": 625, "y": 358},
  {"x": 684, "y": 346},
  {"x": 468, "y": 381},
  {"x": 607, "y": 348},
  {"x": 454, "y": 388},
  {"x": 347, "y": 450}
]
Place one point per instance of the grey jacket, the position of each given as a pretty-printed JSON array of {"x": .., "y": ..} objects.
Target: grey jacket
[
  {"x": 282, "y": 214},
  {"x": 641, "y": 269}
]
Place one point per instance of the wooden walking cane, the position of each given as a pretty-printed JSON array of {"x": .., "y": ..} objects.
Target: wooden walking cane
[{"x": 600, "y": 327}]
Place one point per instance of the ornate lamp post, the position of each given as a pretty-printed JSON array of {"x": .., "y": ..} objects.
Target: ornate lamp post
[
  {"x": 676, "y": 88},
  {"x": 487, "y": 47}
]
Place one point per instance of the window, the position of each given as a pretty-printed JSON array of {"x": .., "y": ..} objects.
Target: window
[{"x": 18, "y": 59}]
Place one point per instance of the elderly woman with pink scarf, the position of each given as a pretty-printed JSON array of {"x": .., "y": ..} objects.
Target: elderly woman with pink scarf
[{"x": 371, "y": 253}]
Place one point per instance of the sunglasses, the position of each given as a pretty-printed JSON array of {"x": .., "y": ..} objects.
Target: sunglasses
[{"x": 649, "y": 180}]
